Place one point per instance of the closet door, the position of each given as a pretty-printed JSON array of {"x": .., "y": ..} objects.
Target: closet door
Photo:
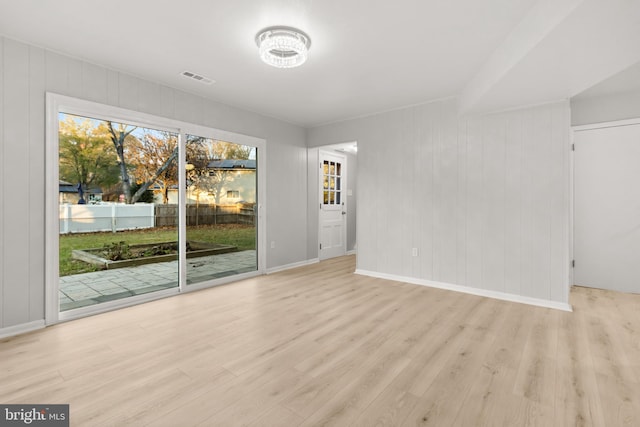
[{"x": 607, "y": 208}]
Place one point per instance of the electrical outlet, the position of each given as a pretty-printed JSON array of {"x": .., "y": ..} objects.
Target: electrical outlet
[
  {"x": 273, "y": 245},
  {"x": 414, "y": 252}
]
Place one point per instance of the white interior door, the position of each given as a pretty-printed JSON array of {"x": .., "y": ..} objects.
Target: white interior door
[
  {"x": 607, "y": 208},
  {"x": 333, "y": 230}
]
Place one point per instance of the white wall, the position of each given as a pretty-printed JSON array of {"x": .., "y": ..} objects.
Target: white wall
[
  {"x": 27, "y": 73},
  {"x": 484, "y": 199},
  {"x": 606, "y": 108}
]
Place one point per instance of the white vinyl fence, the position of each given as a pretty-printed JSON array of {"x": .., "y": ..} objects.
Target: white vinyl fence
[{"x": 105, "y": 217}]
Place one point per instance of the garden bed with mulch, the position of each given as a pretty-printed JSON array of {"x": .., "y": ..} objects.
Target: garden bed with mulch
[{"x": 121, "y": 254}]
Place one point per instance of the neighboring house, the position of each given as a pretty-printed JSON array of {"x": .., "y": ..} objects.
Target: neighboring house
[
  {"x": 231, "y": 181},
  {"x": 226, "y": 182},
  {"x": 68, "y": 193}
]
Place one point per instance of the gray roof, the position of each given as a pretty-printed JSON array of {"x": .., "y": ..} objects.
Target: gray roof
[{"x": 232, "y": 164}]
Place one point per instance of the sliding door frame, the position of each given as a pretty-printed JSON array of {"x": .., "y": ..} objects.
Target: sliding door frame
[
  {"x": 56, "y": 104},
  {"x": 221, "y": 135}
]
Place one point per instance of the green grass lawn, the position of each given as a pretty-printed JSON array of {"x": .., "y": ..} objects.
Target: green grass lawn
[{"x": 242, "y": 236}]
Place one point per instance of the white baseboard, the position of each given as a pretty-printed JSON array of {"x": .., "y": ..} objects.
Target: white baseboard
[
  {"x": 21, "y": 329},
  {"x": 292, "y": 265},
  {"x": 469, "y": 290},
  {"x": 352, "y": 252}
]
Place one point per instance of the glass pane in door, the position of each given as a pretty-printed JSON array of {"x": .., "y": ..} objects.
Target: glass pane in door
[
  {"x": 331, "y": 176},
  {"x": 221, "y": 194},
  {"x": 118, "y": 211}
]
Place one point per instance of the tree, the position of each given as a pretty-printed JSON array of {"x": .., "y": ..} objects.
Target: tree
[
  {"x": 119, "y": 135},
  {"x": 147, "y": 196},
  {"x": 122, "y": 139},
  {"x": 85, "y": 155},
  {"x": 150, "y": 152},
  {"x": 227, "y": 150}
]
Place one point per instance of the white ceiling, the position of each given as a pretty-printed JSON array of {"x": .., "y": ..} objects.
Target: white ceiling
[{"x": 366, "y": 56}]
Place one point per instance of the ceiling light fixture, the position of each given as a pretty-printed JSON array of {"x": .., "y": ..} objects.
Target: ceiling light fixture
[{"x": 283, "y": 47}]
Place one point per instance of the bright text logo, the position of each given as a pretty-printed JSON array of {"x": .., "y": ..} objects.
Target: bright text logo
[{"x": 34, "y": 415}]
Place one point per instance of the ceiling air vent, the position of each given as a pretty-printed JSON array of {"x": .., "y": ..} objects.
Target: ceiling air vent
[{"x": 197, "y": 77}]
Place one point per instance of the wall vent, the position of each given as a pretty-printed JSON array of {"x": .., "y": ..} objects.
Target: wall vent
[{"x": 197, "y": 77}]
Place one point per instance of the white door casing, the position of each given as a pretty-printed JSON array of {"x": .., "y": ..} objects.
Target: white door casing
[
  {"x": 332, "y": 201},
  {"x": 607, "y": 207}
]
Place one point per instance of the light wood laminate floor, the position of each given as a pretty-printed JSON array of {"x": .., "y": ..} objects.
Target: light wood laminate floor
[{"x": 319, "y": 345}]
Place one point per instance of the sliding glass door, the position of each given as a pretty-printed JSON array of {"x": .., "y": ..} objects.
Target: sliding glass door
[
  {"x": 221, "y": 196},
  {"x": 140, "y": 207},
  {"x": 118, "y": 217}
]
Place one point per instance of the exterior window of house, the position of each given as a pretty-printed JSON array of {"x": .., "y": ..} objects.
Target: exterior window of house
[{"x": 233, "y": 194}]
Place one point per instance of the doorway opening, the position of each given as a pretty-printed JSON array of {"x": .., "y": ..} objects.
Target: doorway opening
[
  {"x": 337, "y": 166},
  {"x": 606, "y": 206}
]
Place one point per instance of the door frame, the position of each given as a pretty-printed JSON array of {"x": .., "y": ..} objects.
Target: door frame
[
  {"x": 55, "y": 104},
  {"x": 574, "y": 130},
  {"x": 344, "y": 187}
]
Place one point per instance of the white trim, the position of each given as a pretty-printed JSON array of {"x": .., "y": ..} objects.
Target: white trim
[
  {"x": 52, "y": 222},
  {"x": 182, "y": 205},
  {"x": 292, "y": 265},
  {"x": 261, "y": 246},
  {"x": 469, "y": 290},
  {"x": 568, "y": 211},
  {"x": 82, "y": 107},
  {"x": 571, "y": 225},
  {"x": 602, "y": 125},
  {"x": 104, "y": 307},
  {"x": 222, "y": 135},
  {"x": 221, "y": 281},
  {"x": 22, "y": 328},
  {"x": 352, "y": 252}
]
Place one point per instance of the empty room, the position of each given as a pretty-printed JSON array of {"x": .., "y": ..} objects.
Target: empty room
[{"x": 303, "y": 213}]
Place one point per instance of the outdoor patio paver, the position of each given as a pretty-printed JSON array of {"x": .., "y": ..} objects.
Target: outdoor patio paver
[
  {"x": 82, "y": 295},
  {"x": 86, "y": 289}
]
